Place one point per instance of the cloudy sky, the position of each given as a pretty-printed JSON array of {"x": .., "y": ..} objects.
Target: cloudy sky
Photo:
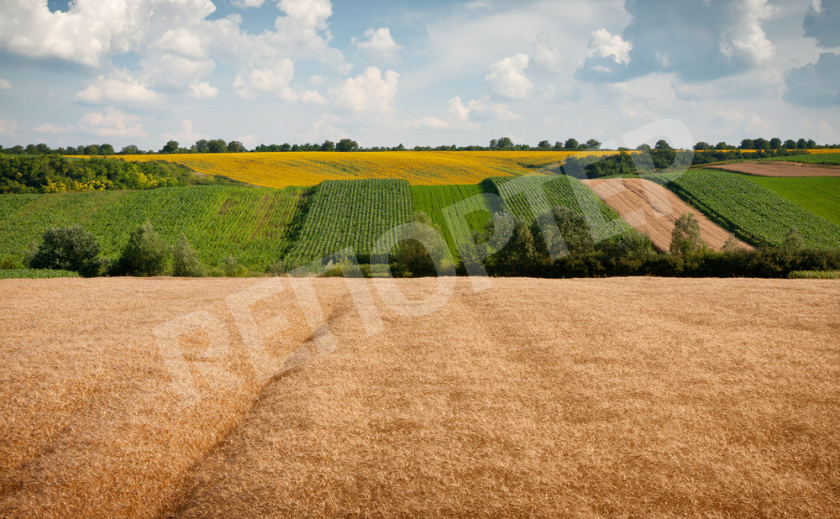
[{"x": 435, "y": 72}]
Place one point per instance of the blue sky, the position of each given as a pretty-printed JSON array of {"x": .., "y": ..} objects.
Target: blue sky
[{"x": 418, "y": 73}]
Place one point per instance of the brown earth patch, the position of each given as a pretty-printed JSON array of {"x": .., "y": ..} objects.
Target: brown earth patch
[
  {"x": 641, "y": 397},
  {"x": 650, "y": 208},
  {"x": 780, "y": 169}
]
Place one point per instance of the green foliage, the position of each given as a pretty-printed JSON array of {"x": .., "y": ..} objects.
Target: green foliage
[
  {"x": 793, "y": 240},
  {"x": 828, "y": 159},
  {"x": 10, "y": 262},
  {"x": 820, "y": 195},
  {"x": 350, "y": 214},
  {"x": 814, "y": 274},
  {"x": 415, "y": 258},
  {"x": 145, "y": 254},
  {"x": 234, "y": 269},
  {"x": 185, "y": 262},
  {"x": 685, "y": 238},
  {"x": 431, "y": 200},
  {"x": 37, "y": 274},
  {"x": 68, "y": 248},
  {"x": 574, "y": 231},
  {"x": 256, "y": 225},
  {"x": 755, "y": 214}
]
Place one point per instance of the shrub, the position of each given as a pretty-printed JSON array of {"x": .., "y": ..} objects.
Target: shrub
[
  {"x": 9, "y": 262},
  {"x": 234, "y": 269},
  {"x": 685, "y": 238},
  {"x": 413, "y": 256},
  {"x": 69, "y": 248},
  {"x": 145, "y": 254},
  {"x": 185, "y": 261},
  {"x": 793, "y": 240}
]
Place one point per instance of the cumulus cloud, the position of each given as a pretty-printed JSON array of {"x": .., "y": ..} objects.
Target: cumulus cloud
[
  {"x": 816, "y": 84},
  {"x": 186, "y": 136},
  {"x": 548, "y": 56},
  {"x": 697, "y": 41},
  {"x": 462, "y": 114},
  {"x": 274, "y": 79},
  {"x": 507, "y": 77},
  {"x": 203, "y": 91},
  {"x": 113, "y": 123},
  {"x": 7, "y": 127},
  {"x": 822, "y": 22},
  {"x": 429, "y": 122},
  {"x": 51, "y": 128},
  {"x": 368, "y": 91},
  {"x": 5, "y": 85},
  {"x": 244, "y": 4},
  {"x": 119, "y": 86},
  {"x": 379, "y": 43}
]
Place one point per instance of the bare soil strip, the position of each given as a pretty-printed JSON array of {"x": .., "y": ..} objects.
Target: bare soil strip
[
  {"x": 780, "y": 169},
  {"x": 617, "y": 397},
  {"x": 650, "y": 208}
]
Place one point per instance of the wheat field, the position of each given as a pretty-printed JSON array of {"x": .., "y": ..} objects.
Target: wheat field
[{"x": 619, "y": 397}]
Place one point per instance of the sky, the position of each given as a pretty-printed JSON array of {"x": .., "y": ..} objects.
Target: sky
[{"x": 418, "y": 73}]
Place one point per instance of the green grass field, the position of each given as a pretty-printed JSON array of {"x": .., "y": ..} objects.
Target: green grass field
[
  {"x": 36, "y": 274},
  {"x": 756, "y": 214},
  {"x": 252, "y": 224},
  {"x": 350, "y": 213},
  {"x": 827, "y": 159},
  {"x": 433, "y": 199},
  {"x": 820, "y": 195}
]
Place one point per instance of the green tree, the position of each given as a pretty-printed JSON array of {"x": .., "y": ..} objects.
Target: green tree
[
  {"x": 145, "y": 254},
  {"x": 747, "y": 144},
  {"x": 685, "y": 238},
  {"x": 236, "y": 147},
  {"x": 185, "y": 261},
  {"x": 662, "y": 144},
  {"x": 571, "y": 144},
  {"x": 802, "y": 144},
  {"x": 761, "y": 144},
  {"x": 217, "y": 146},
  {"x": 413, "y": 256},
  {"x": 545, "y": 145},
  {"x": 790, "y": 144},
  {"x": 131, "y": 149},
  {"x": 106, "y": 149},
  {"x": 202, "y": 146},
  {"x": 702, "y": 146},
  {"x": 68, "y": 248},
  {"x": 170, "y": 147},
  {"x": 43, "y": 148},
  {"x": 793, "y": 240},
  {"x": 775, "y": 143},
  {"x": 811, "y": 144},
  {"x": 348, "y": 145},
  {"x": 327, "y": 146},
  {"x": 504, "y": 142},
  {"x": 574, "y": 232}
]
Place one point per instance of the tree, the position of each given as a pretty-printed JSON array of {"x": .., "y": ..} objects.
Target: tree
[
  {"x": 170, "y": 147},
  {"x": 131, "y": 149},
  {"x": 591, "y": 144},
  {"x": 574, "y": 231},
  {"x": 702, "y": 146},
  {"x": 106, "y": 149},
  {"x": 545, "y": 145},
  {"x": 643, "y": 147},
  {"x": 185, "y": 261},
  {"x": 761, "y": 144},
  {"x": 217, "y": 146},
  {"x": 721, "y": 146},
  {"x": 413, "y": 255},
  {"x": 17, "y": 150},
  {"x": 685, "y": 238},
  {"x": 327, "y": 146},
  {"x": 662, "y": 144},
  {"x": 811, "y": 144},
  {"x": 31, "y": 149},
  {"x": 747, "y": 144},
  {"x": 790, "y": 144},
  {"x": 571, "y": 144},
  {"x": 68, "y": 248},
  {"x": 504, "y": 142},
  {"x": 793, "y": 240},
  {"x": 348, "y": 145},
  {"x": 91, "y": 149},
  {"x": 558, "y": 145},
  {"x": 236, "y": 147},
  {"x": 43, "y": 148},
  {"x": 775, "y": 143},
  {"x": 145, "y": 254},
  {"x": 202, "y": 146},
  {"x": 802, "y": 144}
]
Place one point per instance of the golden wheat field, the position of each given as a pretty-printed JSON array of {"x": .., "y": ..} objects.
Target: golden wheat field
[
  {"x": 418, "y": 167},
  {"x": 619, "y": 397}
]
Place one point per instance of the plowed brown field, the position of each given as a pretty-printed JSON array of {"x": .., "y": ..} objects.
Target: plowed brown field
[
  {"x": 650, "y": 208},
  {"x": 780, "y": 169},
  {"x": 639, "y": 397}
]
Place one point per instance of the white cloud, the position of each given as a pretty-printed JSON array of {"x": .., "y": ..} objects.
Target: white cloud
[
  {"x": 461, "y": 115},
  {"x": 203, "y": 91},
  {"x": 477, "y": 4},
  {"x": 51, "y": 128},
  {"x": 274, "y": 79},
  {"x": 244, "y": 4},
  {"x": 113, "y": 123},
  {"x": 181, "y": 41},
  {"x": 187, "y": 136},
  {"x": 507, "y": 77},
  {"x": 548, "y": 56},
  {"x": 7, "y": 127},
  {"x": 312, "y": 97},
  {"x": 379, "y": 43},
  {"x": 250, "y": 141},
  {"x": 317, "y": 80},
  {"x": 368, "y": 91},
  {"x": 119, "y": 86},
  {"x": 429, "y": 122},
  {"x": 605, "y": 45},
  {"x": 5, "y": 85}
]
